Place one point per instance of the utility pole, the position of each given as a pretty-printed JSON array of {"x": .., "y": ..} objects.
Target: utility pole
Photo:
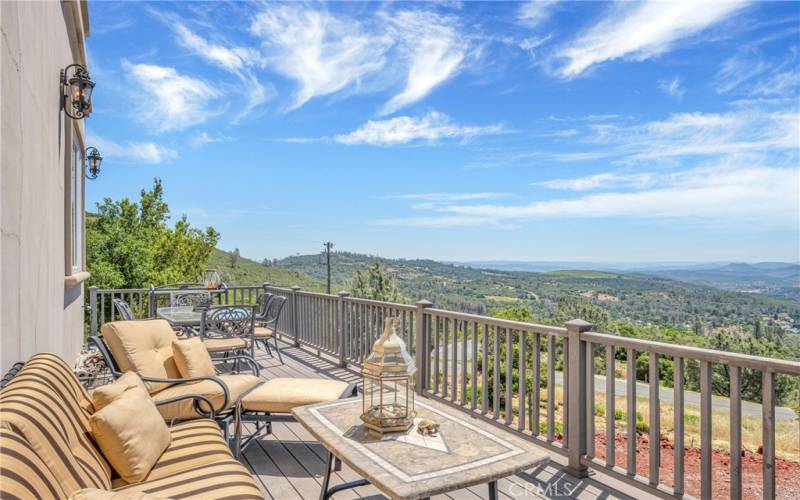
[{"x": 328, "y": 245}]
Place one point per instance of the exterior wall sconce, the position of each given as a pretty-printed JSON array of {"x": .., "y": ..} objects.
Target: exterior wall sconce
[
  {"x": 76, "y": 87},
  {"x": 93, "y": 161}
]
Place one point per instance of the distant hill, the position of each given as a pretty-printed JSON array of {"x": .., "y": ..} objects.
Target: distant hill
[
  {"x": 250, "y": 272},
  {"x": 643, "y": 298},
  {"x": 774, "y": 278}
]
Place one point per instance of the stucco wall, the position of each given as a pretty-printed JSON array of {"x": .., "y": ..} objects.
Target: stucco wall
[{"x": 37, "y": 311}]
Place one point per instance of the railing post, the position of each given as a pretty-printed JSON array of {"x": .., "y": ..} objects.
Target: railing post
[
  {"x": 340, "y": 328},
  {"x": 576, "y": 382},
  {"x": 421, "y": 346},
  {"x": 151, "y": 302},
  {"x": 265, "y": 285},
  {"x": 295, "y": 332},
  {"x": 93, "y": 310}
]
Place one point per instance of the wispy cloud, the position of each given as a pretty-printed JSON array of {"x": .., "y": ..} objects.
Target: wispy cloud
[
  {"x": 672, "y": 87},
  {"x": 607, "y": 180},
  {"x": 639, "y": 31},
  {"x": 236, "y": 60},
  {"x": 534, "y": 13},
  {"x": 731, "y": 194},
  {"x": 137, "y": 152},
  {"x": 434, "y": 48},
  {"x": 205, "y": 138},
  {"x": 432, "y": 127},
  {"x": 323, "y": 53},
  {"x": 175, "y": 101}
]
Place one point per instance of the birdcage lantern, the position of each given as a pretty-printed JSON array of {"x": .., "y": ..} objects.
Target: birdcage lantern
[
  {"x": 388, "y": 383},
  {"x": 211, "y": 279}
]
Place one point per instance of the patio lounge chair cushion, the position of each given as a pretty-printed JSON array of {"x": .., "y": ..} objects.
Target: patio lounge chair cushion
[
  {"x": 96, "y": 494},
  {"x": 192, "y": 358},
  {"x": 43, "y": 406},
  {"x": 143, "y": 346},
  {"x": 280, "y": 395},
  {"x": 131, "y": 434},
  {"x": 184, "y": 410},
  {"x": 262, "y": 332},
  {"x": 226, "y": 479},
  {"x": 24, "y": 474},
  {"x": 225, "y": 344},
  {"x": 106, "y": 394}
]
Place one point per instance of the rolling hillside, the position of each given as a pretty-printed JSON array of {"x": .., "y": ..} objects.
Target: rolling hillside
[
  {"x": 636, "y": 297},
  {"x": 250, "y": 272}
]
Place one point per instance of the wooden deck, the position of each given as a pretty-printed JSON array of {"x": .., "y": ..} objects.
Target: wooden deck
[{"x": 289, "y": 463}]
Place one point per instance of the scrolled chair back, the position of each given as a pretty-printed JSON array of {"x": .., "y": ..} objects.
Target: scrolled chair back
[
  {"x": 262, "y": 302},
  {"x": 123, "y": 309},
  {"x": 274, "y": 310},
  {"x": 193, "y": 299},
  {"x": 227, "y": 321}
]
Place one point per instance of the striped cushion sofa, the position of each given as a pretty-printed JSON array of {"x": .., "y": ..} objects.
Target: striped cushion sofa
[{"x": 47, "y": 451}]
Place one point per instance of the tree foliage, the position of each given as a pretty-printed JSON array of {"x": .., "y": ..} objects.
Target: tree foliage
[
  {"x": 129, "y": 244},
  {"x": 375, "y": 283}
]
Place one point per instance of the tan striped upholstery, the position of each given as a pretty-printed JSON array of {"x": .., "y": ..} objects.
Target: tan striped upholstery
[
  {"x": 194, "y": 443},
  {"x": 43, "y": 404},
  {"x": 226, "y": 479},
  {"x": 47, "y": 451},
  {"x": 22, "y": 474}
]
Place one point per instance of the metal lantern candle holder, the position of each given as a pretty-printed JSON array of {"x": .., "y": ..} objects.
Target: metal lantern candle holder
[
  {"x": 211, "y": 279},
  {"x": 388, "y": 375}
]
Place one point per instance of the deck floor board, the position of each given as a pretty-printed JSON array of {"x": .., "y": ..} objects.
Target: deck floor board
[{"x": 289, "y": 463}]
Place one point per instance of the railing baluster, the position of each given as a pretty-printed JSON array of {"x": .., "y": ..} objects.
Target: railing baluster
[
  {"x": 536, "y": 390},
  {"x": 565, "y": 392},
  {"x": 551, "y": 388},
  {"x": 768, "y": 432},
  {"x": 496, "y": 374},
  {"x": 445, "y": 357},
  {"x": 523, "y": 389},
  {"x": 611, "y": 385},
  {"x": 485, "y": 370},
  {"x": 631, "y": 393},
  {"x": 454, "y": 368},
  {"x": 706, "y": 465},
  {"x": 736, "y": 432},
  {"x": 474, "y": 369},
  {"x": 655, "y": 420},
  {"x": 464, "y": 362},
  {"x": 437, "y": 354},
  {"x": 677, "y": 417},
  {"x": 590, "y": 430},
  {"x": 509, "y": 377}
]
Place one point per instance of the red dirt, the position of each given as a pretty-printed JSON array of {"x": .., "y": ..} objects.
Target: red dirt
[{"x": 787, "y": 472}]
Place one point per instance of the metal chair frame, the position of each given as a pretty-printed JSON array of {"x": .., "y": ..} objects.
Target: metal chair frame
[
  {"x": 123, "y": 309},
  {"x": 270, "y": 320}
]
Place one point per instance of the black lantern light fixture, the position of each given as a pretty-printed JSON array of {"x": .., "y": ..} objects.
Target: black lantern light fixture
[
  {"x": 77, "y": 91},
  {"x": 93, "y": 161}
]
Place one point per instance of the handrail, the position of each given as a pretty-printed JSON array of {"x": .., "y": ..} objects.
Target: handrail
[
  {"x": 696, "y": 353},
  {"x": 502, "y": 323}
]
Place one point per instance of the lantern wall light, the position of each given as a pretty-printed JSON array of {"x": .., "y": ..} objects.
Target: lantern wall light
[
  {"x": 93, "y": 161},
  {"x": 76, "y": 89}
]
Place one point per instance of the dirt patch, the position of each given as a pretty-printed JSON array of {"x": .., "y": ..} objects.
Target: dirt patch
[{"x": 786, "y": 471}]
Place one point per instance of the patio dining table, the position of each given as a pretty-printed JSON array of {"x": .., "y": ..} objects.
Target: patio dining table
[{"x": 180, "y": 316}]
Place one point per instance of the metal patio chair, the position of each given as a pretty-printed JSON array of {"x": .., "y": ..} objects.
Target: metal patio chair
[
  {"x": 228, "y": 330},
  {"x": 123, "y": 309},
  {"x": 268, "y": 326}
]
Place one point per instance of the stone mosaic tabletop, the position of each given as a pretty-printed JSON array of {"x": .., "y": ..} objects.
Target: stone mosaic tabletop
[{"x": 405, "y": 466}]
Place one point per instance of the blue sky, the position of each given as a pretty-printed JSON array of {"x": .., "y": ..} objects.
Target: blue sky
[{"x": 545, "y": 130}]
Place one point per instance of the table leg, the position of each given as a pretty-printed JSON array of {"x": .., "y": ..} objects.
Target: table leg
[
  {"x": 328, "y": 491},
  {"x": 493, "y": 490}
]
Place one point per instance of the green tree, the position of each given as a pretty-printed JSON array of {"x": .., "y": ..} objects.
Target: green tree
[
  {"x": 375, "y": 283},
  {"x": 571, "y": 307},
  {"x": 234, "y": 257},
  {"x": 130, "y": 245}
]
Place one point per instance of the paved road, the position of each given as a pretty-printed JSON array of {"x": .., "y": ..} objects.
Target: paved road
[{"x": 689, "y": 397}]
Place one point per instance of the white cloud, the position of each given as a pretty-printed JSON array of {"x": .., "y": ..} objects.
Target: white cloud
[
  {"x": 605, "y": 180},
  {"x": 169, "y": 100},
  {"x": 138, "y": 152},
  {"x": 205, "y": 138},
  {"x": 779, "y": 84},
  {"x": 324, "y": 54},
  {"x": 729, "y": 194},
  {"x": 432, "y": 127},
  {"x": 236, "y": 60},
  {"x": 639, "y": 31},
  {"x": 747, "y": 130},
  {"x": 535, "y": 12},
  {"x": 580, "y": 156},
  {"x": 738, "y": 69},
  {"x": 435, "y": 50},
  {"x": 672, "y": 87}
]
